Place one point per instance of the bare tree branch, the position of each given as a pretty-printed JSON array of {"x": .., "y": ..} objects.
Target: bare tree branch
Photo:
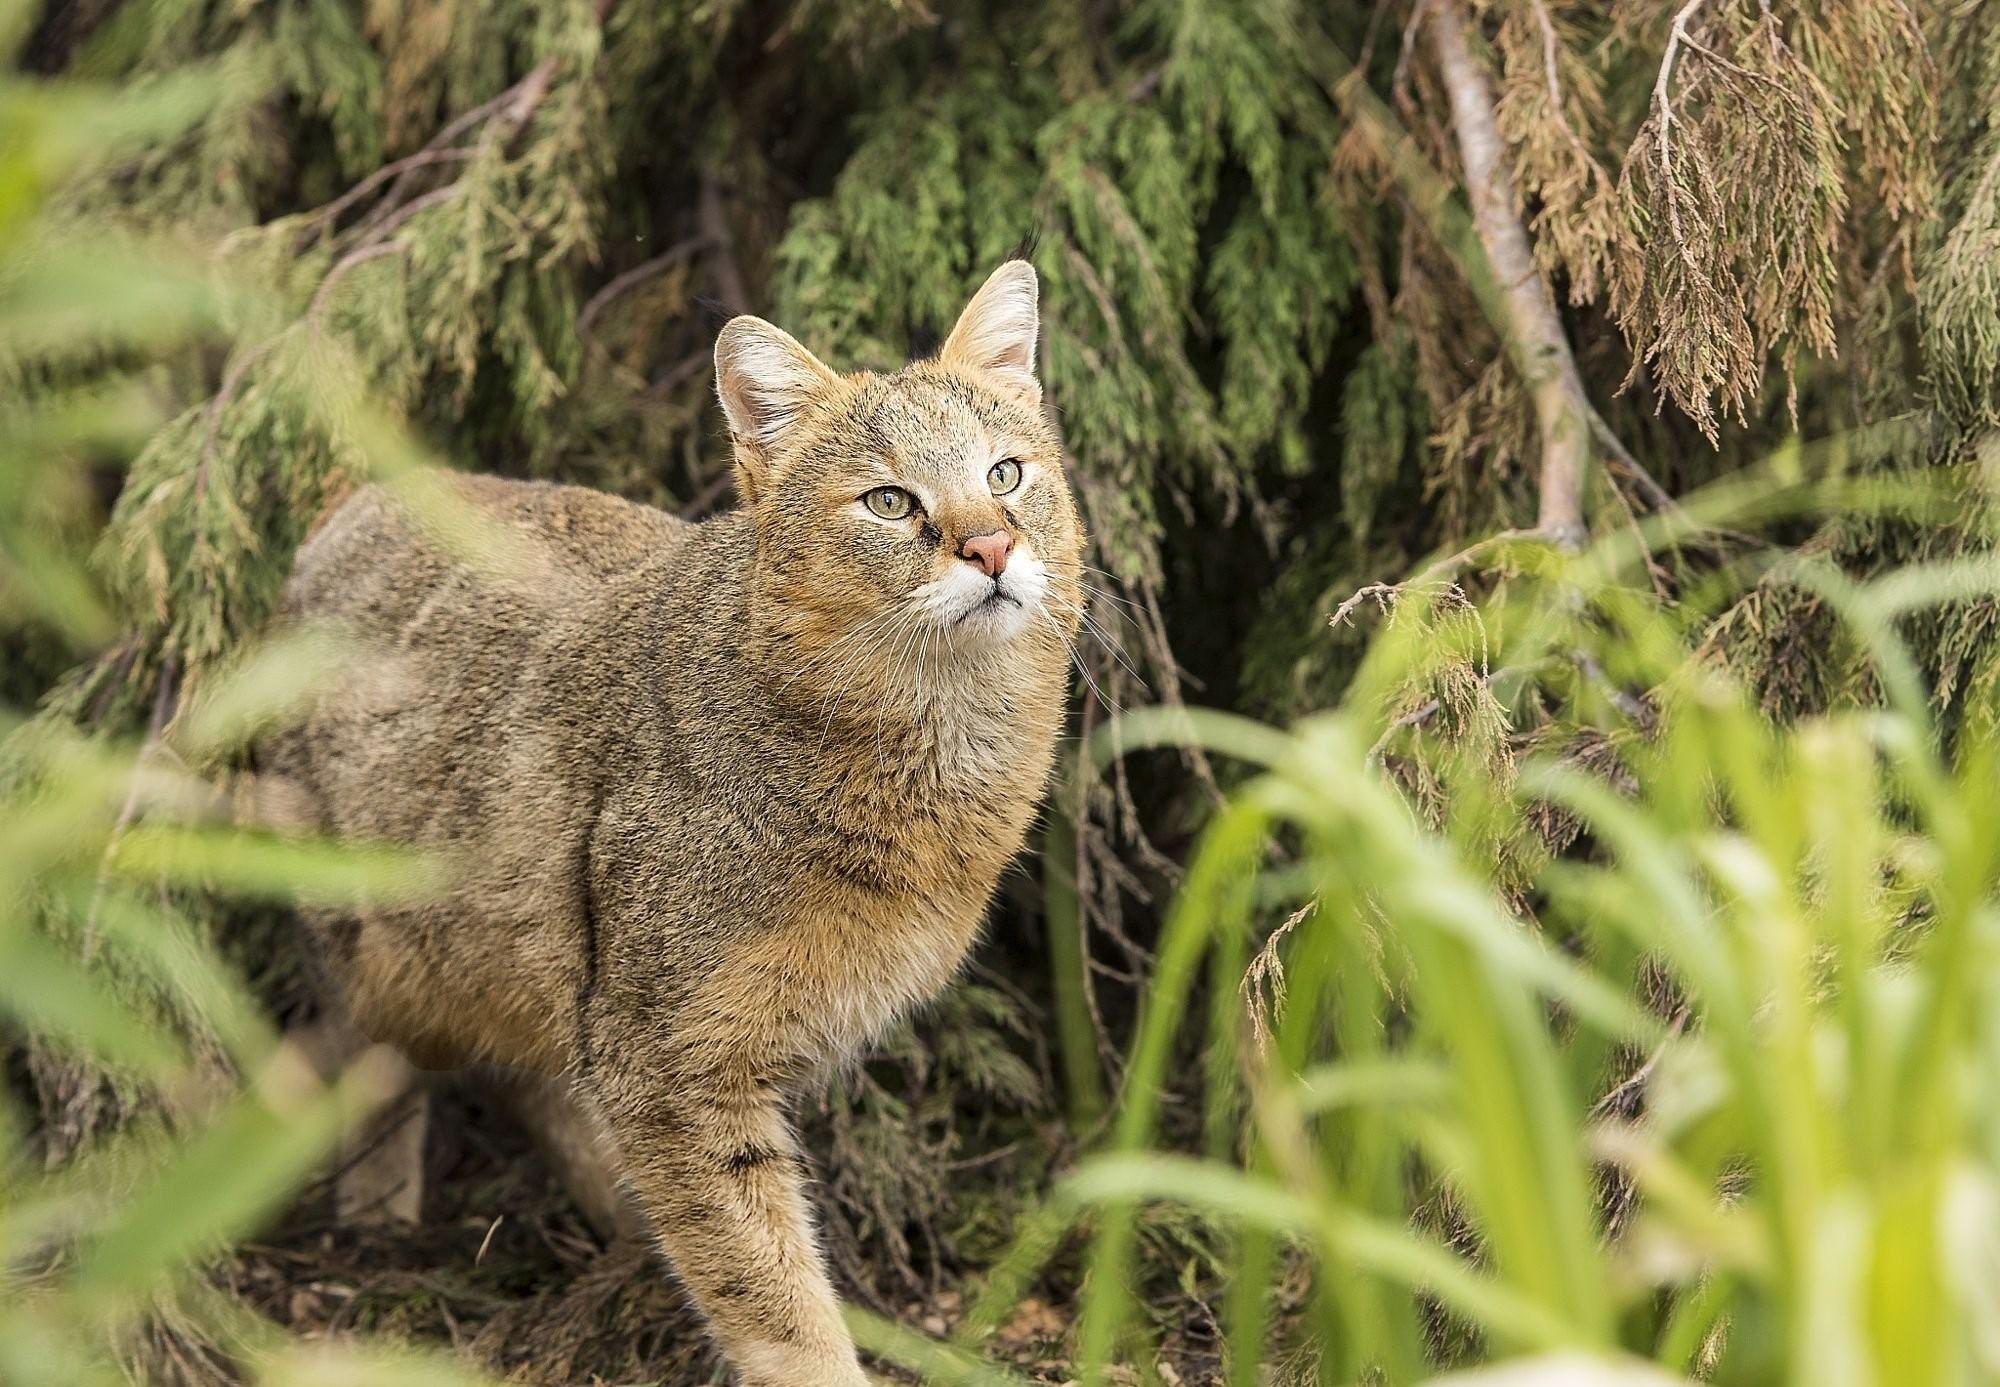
[
  {"x": 638, "y": 274},
  {"x": 1620, "y": 460},
  {"x": 1528, "y": 318},
  {"x": 714, "y": 222},
  {"x": 324, "y": 219}
]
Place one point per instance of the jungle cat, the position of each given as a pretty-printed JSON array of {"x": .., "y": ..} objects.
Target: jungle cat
[{"x": 718, "y": 801}]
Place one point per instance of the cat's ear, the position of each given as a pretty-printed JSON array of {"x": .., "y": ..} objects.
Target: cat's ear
[
  {"x": 996, "y": 333},
  {"x": 765, "y": 381}
]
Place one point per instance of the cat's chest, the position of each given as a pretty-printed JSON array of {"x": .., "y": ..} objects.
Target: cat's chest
[
  {"x": 869, "y": 896},
  {"x": 874, "y": 958},
  {"x": 900, "y": 841}
]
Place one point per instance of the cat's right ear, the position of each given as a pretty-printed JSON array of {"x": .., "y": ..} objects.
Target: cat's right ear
[{"x": 765, "y": 381}]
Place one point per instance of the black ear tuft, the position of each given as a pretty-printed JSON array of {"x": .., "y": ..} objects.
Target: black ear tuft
[
  {"x": 926, "y": 339},
  {"x": 714, "y": 313}
]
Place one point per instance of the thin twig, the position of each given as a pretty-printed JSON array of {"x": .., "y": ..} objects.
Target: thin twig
[
  {"x": 1634, "y": 708},
  {"x": 423, "y": 158},
  {"x": 518, "y": 102},
  {"x": 689, "y": 365},
  {"x": 638, "y": 274},
  {"x": 1550, "y": 47},
  {"x": 110, "y": 678},
  {"x": 212, "y": 415},
  {"x": 705, "y": 500},
  {"x": 1637, "y": 1078},
  {"x": 487, "y": 1241},
  {"x": 404, "y": 213},
  {"x": 1385, "y": 595},
  {"x": 453, "y": 129},
  {"x": 1430, "y": 708},
  {"x": 372, "y": 245},
  {"x": 1365, "y": 59},
  {"x": 1416, "y": 717},
  {"x": 1399, "y": 78},
  {"x": 1654, "y": 573},
  {"x": 1621, "y": 459},
  {"x": 1663, "y": 84},
  {"x": 529, "y": 93},
  {"x": 315, "y": 311},
  {"x": 1663, "y": 105},
  {"x": 1145, "y": 84},
  {"x": 1438, "y": 575}
]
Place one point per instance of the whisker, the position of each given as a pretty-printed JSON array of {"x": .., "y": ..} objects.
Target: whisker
[
  {"x": 1077, "y": 660},
  {"x": 880, "y": 641},
  {"x": 808, "y": 666},
  {"x": 851, "y": 659},
  {"x": 1100, "y": 591},
  {"x": 838, "y": 699},
  {"x": 1101, "y": 572},
  {"x": 1115, "y": 649},
  {"x": 1099, "y": 594},
  {"x": 918, "y": 631}
]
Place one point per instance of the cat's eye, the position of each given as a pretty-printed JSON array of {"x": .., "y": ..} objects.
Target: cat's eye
[
  {"x": 1004, "y": 476},
  {"x": 889, "y": 502}
]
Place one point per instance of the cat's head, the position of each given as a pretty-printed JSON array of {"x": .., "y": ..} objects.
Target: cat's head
[{"x": 928, "y": 506}]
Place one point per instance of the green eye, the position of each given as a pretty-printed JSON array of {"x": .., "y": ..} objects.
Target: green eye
[
  {"x": 889, "y": 502},
  {"x": 1004, "y": 476}
]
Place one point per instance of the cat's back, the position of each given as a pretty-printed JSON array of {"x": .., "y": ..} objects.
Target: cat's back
[
  {"x": 382, "y": 558},
  {"x": 455, "y": 609}
]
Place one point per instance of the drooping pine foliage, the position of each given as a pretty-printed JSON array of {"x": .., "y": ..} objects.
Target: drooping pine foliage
[{"x": 512, "y": 226}]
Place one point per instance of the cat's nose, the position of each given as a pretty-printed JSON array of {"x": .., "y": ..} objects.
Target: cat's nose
[{"x": 988, "y": 551}]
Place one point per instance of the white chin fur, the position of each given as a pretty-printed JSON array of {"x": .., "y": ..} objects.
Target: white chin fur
[{"x": 966, "y": 602}]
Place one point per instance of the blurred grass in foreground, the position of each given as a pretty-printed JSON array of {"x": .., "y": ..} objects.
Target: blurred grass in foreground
[{"x": 100, "y": 841}]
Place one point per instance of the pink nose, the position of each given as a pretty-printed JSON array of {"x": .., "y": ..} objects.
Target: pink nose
[{"x": 988, "y": 551}]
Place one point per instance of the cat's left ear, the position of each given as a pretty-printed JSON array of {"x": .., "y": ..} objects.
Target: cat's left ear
[
  {"x": 766, "y": 382},
  {"x": 996, "y": 333}
]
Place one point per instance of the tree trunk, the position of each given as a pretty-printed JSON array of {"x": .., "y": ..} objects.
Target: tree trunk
[{"x": 1533, "y": 329}]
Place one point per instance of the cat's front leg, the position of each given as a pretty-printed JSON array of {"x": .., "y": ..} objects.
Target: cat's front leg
[{"x": 715, "y": 1167}]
